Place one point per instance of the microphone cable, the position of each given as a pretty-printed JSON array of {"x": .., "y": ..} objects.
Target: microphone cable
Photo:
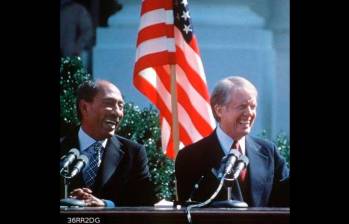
[{"x": 213, "y": 196}]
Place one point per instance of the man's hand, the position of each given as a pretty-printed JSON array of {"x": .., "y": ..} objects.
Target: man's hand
[{"x": 85, "y": 194}]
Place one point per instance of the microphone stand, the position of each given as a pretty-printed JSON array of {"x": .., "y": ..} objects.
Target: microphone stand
[
  {"x": 229, "y": 203},
  {"x": 66, "y": 181},
  {"x": 69, "y": 202}
]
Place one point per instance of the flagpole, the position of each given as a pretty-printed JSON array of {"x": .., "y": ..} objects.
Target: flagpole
[{"x": 175, "y": 128}]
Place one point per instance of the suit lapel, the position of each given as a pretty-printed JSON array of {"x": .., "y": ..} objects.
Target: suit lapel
[
  {"x": 112, "y": 156},
  {"x": 214, "y": 151},
  {"x": 257, "y": 169}
]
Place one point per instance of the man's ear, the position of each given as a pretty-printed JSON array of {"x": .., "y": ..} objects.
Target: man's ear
[
  {"x": 83, "y": 104},
  {"x": 218, "y": 109}
]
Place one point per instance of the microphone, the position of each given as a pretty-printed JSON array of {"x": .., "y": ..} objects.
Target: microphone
[
  {"x": 241, "y": 164},
  {"x": 82, "y": 161},
  {"x": 233, "y": 156},
  {"x": 67, "y": 159}
]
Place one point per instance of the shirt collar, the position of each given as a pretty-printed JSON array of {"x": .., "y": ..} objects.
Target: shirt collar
[
  {"x": 86, "y": 141},
  {"x": 226, "y": 141}
]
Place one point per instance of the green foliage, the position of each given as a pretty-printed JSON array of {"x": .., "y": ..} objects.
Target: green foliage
[
  {"x": 282, "y": 143},
  {"x": 72, "y": 74},
  {"x": 142, "y": 126}
]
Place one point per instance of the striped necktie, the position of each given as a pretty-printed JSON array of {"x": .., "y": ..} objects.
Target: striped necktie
[
  {"x": 243, "y": 173},
  {"x": 94, "y": 164}
]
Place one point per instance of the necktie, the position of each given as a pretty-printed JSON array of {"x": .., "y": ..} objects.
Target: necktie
[
  {"x": 243, "y": 173},
  {"x": 94, "y": 164}
]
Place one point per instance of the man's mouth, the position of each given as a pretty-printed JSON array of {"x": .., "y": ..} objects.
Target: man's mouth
[
  {"x": 245, "y": 122},
  {"x": 111, "y": 123}
]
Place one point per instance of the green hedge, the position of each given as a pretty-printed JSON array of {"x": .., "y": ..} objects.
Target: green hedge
[
  {"x": 282, "y": 143},
  {"x": 142, "y": 126}
]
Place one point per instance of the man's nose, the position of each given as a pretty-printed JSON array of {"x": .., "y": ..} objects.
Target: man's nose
[
  {"x": 248, "y": 111},
  {"x": 117, "y": 110}
]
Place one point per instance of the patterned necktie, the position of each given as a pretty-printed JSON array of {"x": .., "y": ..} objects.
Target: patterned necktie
[
  {"x": 94, "y": 164},
  {"x": 243, "y": 173}
]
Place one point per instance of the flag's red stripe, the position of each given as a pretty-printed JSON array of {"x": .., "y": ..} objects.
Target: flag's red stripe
[
  {"x": 170, "y": 149},
  {"x": 155, "y": 31},
  {"x": 149, "y": 91},
  {"x": 149, "y": 5},
  {"x": 194, "y": 44},
  {"x": 192, "y": 76},
  {"x": 155, "y": 59},
  {"x": 184, "y": 136},
  {"x": 200, "y": 124}
]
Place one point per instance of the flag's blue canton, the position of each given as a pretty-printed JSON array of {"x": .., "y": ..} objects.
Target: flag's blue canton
[{"x": 182, "y": 19}]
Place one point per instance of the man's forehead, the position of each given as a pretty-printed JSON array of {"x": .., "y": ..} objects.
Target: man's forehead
[
  {"x": 112, "y": 95},
  {"x": 110, "y": 91},
  {"x": 244, "y": 95}
]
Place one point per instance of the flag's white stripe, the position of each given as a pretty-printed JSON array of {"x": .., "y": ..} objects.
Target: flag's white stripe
[
  {"x": 198, "y": 102},
  {"x": 183, "y": 118},
  {"x": 156, "y": 16},
  {"x": 191, "y": 56},
  {"x": 155, "y": 45},
  {"x": 150, "y": 75},
  {"x": 165, "y": 134}
]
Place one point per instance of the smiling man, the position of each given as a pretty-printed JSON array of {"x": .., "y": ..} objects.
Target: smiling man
[
  {"x": 117, "y": 173},
  {"x": 263, "y": 183}
]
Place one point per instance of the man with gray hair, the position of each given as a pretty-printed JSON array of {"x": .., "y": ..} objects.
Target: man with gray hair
[{"x": 263, "y": 183}]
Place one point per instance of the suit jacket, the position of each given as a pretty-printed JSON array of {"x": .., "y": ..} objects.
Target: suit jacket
[
  {"x": 123, "y": 176},
  {"x": 267, "y": 179}
]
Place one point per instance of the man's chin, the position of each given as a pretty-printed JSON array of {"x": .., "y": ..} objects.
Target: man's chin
[
  {"x": 245, "y": 131},
  {"x": 109, "y": 133}
]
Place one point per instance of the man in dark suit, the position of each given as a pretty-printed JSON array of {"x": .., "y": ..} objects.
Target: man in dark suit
[
  {"x": 117, "y": 173},
  {"x": 263, "y": 183}
]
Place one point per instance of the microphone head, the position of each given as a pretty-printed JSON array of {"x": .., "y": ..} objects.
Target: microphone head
[
  {"x": 235, "y": 152},
  {"x": 244, "y": 159},
  {"x": 68, "y": 158},
  {"x": 74, "y": 151},
  {"x": 232, "y": 153},
  {"x": 232, "y": 157},
  {"x": 84, "y": 159}
]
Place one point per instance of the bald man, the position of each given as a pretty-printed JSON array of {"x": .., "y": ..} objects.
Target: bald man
[{"x": 117, "y": 173}]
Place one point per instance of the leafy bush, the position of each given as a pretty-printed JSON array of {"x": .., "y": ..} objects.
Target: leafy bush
[
  {"x": 72, "y": 74},
  {"x": 142, "y": 126},
  {"x": 282, "y": 143}
]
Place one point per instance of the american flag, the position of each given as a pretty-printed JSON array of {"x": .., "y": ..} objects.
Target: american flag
[{"x": 166, "y": 38}]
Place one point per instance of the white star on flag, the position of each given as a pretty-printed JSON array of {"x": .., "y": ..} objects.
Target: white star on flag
[
  {"x": 185, "y": 15},
  {"x": 187, "y": 29},
  {"x": 184, "y": 2}
]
